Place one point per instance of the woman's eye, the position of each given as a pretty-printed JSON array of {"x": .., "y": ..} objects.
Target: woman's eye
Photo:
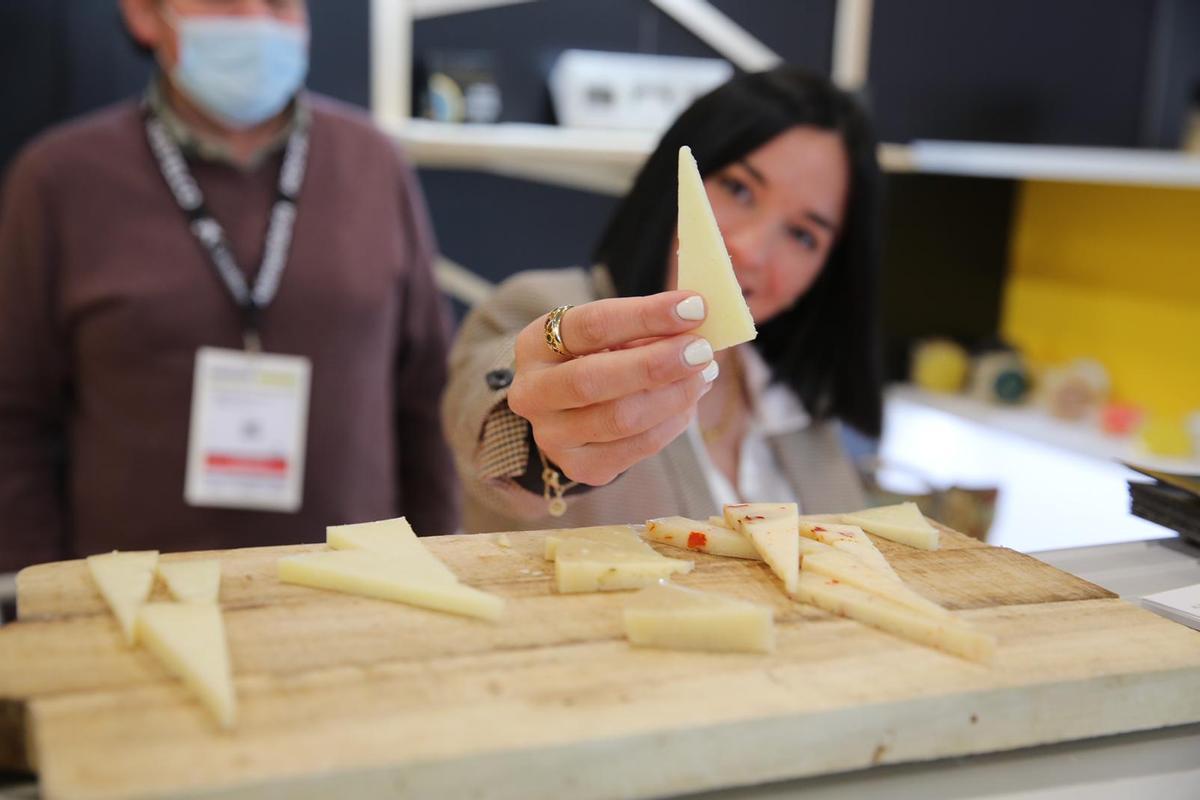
[
  {"x": 804, "y": 237},
  {"x": 737, "y": 190}
]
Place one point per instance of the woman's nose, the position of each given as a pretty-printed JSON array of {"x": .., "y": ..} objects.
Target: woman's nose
[{"x": 749, "y": 246}]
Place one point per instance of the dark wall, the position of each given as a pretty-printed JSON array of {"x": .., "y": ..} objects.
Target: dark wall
[
  {"x": 1174, "y": 81},
  {"x": 945, "y": 248},
  {"x": 1059, "y": 72}
]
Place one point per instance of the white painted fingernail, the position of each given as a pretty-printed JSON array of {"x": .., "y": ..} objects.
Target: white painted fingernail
[
  {"x": 698, "y": 352},
  {"x": 710, "y": 372},
  {"x": 691, "y": 309}
]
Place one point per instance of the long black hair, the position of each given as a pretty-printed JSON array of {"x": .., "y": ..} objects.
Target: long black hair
[{"x": 826, "y": 346}]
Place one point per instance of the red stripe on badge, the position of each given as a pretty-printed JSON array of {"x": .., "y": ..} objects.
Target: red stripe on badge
[{"x": 254, "y": 466}]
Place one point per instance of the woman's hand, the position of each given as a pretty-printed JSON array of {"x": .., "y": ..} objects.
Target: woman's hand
[{"x": 631, "y": 388}]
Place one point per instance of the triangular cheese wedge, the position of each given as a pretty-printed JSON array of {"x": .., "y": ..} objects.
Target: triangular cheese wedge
[
  {"x": 622, "y": 536},
  {"x": 704, "y": 264},
  {"x": 393, "y": 537},
  {"x": 736, "y": 513},
  {"x": 849, "y": 539},
  {"x": 839, "y": 598},
  {"x": 189, "y": 639},
  {"x": 704, "y": 537},
  {"x": 387, "y": 577},
  {"x": 902, "y": 523},
  {"x": 192, "y": 581},
  {"x": 828, "y": 561},
  {"x": 719, "y": 521},
  {"x": 774, "y": 529},
  {"x": 125, "y": 580},
  {"x": 678, "y": 618},
  {"x": 581, "y": 565}
]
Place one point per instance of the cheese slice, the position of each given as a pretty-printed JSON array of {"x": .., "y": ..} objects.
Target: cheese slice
[
  {"x": 192, "y": 581},
  {"x": 189, "y": 640},
  {"x": 704, "y": 264},
  {"x": 824, "y": 560},
  {"x": 589, "y": 566},
  {"x": 902, "y": 523},
  {"x": 622, "y": 536},
  {"x": 677, "y": 618},
  {"x": 774, "y": 530},
  {"x": 393, "y": 537},
  {"x": 736, "y": 513},
  {"x": 387, "y": 577},
  {"x": 720, "y": 522},
  {"x": 690, "y": 534},
  {"x": 124, "y": 580},
  {"x": 849, "y": 539},
  {"x": 954, "y": 637}
]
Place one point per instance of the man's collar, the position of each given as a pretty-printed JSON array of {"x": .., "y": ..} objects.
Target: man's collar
[{"x": 196, "y": 145}]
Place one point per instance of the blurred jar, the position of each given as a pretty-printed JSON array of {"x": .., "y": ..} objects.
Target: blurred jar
[{"x": 939, "y": 365}]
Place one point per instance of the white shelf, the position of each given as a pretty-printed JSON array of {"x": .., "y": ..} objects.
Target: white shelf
[
  {"x": 1051, "y": 496},
  {"x": 1079, "y": 438},
  {"x": 1057, "y": 163},
  {"x": 607, "y": 160},
  {"x": 601, "y": 160}
]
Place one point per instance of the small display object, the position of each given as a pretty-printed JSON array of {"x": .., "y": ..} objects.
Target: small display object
[{"x": 629, "y": 91}]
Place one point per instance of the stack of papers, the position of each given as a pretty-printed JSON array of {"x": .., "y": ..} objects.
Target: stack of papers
[
  {"x": 1180, "y": 605},
  {"x": 1172, "y": 501}
]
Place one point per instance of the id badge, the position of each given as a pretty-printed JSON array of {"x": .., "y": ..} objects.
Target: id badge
[{"x": 248, "y": 430}]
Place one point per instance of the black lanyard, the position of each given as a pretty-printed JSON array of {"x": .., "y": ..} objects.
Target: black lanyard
[{"x": 250, "y": 300}]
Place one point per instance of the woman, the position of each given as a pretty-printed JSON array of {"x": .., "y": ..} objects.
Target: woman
[{"x": 619, "y": 395}]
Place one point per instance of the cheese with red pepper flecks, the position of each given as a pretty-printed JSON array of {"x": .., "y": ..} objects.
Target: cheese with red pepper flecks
[{"x": 703, "y": 537}]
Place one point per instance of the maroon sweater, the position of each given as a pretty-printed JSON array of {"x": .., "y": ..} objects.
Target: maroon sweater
[{"x": 105, "y": 297}]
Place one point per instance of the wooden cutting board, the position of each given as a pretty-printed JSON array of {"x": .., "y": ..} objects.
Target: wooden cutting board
[{"x": 360, "y": 698}]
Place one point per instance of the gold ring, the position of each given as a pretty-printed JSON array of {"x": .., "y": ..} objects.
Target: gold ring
[{"x": 554, "y": 331}]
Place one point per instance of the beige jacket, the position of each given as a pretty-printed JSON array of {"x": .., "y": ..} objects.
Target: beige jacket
[{"x": 671, "y": 482}]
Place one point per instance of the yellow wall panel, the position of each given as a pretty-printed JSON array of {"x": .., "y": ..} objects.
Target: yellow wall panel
[{"x": 1112, "y": 273}]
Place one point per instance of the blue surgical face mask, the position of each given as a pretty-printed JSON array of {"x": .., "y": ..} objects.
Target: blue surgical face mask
[{"x": 242, "y": 70}]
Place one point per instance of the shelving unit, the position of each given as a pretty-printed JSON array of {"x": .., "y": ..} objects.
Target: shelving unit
[
  {"x": 605, "y": 161},
  {"x": 1044, "y": 162}
]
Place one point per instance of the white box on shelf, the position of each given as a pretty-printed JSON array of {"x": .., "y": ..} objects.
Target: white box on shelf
[{"x": 629, "y": 91}]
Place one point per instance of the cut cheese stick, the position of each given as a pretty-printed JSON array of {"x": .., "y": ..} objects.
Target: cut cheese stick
[
  {"x": 851, "y": 540},
  {"x": 587, "y": 566},
  {"x": 838, "y": 598},
  {"x": 390, "y": 537},
  {"x": 774, "y": 531},
  {"x": 677, "y": 618},
  {"x": 189, "y": 640},
  {"x": 704, "y": 264},
  {"x": 703, "y": 537},
  {"x": 124, "y": 580},
  {"x": 192, "y": 581},
  {"x": 622, "y": 536},
  {"x": 903, "y": 523},
  {"x": 824, "y": 560},
  {"x": 387, "y": 577}
]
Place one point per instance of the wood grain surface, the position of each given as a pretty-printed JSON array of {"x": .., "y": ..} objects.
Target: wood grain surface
[{"x": 365, "y": 698}]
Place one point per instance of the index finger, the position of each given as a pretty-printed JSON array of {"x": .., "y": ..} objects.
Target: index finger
[{"x": 607, "y": 324}]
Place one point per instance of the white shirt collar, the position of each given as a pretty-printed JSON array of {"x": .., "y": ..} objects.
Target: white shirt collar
[{"x": 775, "y": 409}]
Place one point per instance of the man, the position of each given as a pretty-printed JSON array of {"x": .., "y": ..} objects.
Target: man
[{"x": 218, "y": 323}]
